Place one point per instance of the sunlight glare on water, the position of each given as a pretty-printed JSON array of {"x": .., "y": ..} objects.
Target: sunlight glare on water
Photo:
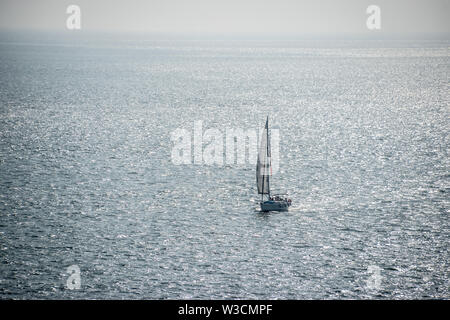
[{"x": 86, "y": 176}]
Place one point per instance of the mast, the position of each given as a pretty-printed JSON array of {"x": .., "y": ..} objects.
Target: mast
[
  {"x": 270, "y": 158},
  {"x": 264, "y": 164}
]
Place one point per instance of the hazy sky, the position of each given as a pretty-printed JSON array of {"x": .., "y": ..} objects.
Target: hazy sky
[{"x": 229, "y": 16}]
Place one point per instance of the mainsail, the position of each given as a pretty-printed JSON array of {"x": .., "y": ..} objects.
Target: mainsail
[{"x": 263, "y": 163}]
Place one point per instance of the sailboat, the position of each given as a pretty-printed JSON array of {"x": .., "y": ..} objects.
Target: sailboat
[{"x": 272, "y": 202}]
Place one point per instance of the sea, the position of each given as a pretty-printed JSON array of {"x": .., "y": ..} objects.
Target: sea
[{"x": 93, "y": 205}]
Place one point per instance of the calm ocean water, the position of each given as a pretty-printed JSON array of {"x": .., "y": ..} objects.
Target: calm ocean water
[{"x": 86, "y": 176}]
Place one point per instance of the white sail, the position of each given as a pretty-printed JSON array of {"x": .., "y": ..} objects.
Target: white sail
[{"x": 263, "y": 163}]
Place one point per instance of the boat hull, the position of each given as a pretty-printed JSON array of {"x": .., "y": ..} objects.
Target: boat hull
[{"x": 274, "y": 206}]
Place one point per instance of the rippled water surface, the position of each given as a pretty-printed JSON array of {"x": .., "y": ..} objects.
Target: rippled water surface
[{"x": 86, "y": 176}]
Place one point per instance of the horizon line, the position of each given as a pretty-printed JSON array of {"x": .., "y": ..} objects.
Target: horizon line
[{"x": 173, "y": 35}]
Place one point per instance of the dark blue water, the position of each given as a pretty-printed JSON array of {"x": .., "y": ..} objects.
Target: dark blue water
[{"x": 86, "y": 176}]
